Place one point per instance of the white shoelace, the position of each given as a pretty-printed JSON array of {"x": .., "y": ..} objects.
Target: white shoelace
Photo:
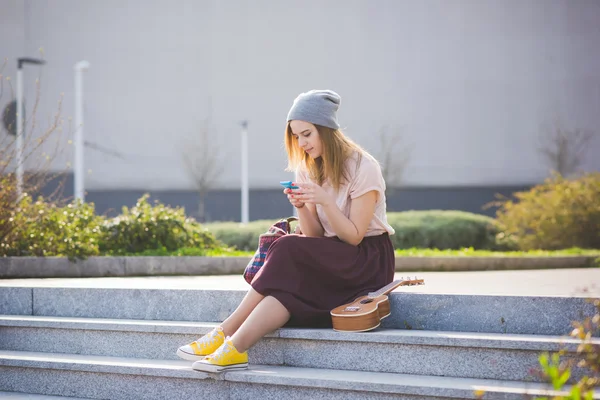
[{"x": 207, "y": 342}]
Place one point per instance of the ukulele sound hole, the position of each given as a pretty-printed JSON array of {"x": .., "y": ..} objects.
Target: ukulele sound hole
[{"x": 365, "y": 301}]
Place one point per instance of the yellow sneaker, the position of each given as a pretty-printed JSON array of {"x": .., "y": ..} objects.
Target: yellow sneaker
[
  {"x": 202, "y": 347},
  {"x": 224, "y": 358}
]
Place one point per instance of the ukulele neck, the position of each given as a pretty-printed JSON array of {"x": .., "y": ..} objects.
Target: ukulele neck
[{"x": 387, "y": 288}]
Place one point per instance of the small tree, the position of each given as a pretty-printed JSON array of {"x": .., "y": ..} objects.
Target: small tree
[
  {"x": 394, "y": 156},
  {"x": 204, "y": 164},
  {"x": 564, "y": 149},
  {"x": 35, "y": 179}
]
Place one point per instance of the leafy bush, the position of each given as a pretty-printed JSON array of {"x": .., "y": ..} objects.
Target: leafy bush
[
  {"x": 7, "y": 205},
  {"x": 145, "y": 227},
  {"x": 418, "y": 229},
  {"x": 45, "y": 229},
  {"x": 560, "y": 213},
  {"x": 439, "y": 229},
  {"x": 587, "y": 357}
]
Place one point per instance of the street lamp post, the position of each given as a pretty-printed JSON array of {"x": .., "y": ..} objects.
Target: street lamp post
[
  {"x": 245, "y": 196},
  {"x": 20, "y": 119},
  {"x": 78, "y": 172}
]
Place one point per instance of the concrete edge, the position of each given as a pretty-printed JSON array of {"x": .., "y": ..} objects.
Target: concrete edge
[
  {"x": 541, "y": 315},
  {"x": 492, "y": 263},
  {"x": 32, "y": 396},
  {"x": 387, "y": 336},
  {"x": 370, "y": 382},
  {"x": 62, "y": 267}
]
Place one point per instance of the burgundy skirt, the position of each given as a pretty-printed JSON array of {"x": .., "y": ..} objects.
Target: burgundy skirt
[{"x": 311, "y": 276}]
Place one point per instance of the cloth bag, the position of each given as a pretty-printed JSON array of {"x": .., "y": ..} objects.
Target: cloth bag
[{"x": 265, "y": 240}]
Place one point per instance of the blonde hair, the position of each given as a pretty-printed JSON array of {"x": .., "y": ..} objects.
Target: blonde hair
[{"x": 331, "y": 165}]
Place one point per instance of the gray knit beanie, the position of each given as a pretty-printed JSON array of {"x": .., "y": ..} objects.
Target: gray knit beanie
[{"x": 318, "y": 107}]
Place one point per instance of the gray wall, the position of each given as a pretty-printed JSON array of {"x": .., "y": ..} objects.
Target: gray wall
[
  {"x": 224, "y": 205},
  {"x": 468, "y": 82}
]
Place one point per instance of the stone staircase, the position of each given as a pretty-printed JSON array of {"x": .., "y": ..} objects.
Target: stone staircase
[{"x": 107, "y": 343}]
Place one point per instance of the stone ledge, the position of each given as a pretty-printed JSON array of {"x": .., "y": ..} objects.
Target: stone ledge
[
  {"x": 61, "y": 267},
  {"x": 28, "y": 396},
  {"x": 368, "y": 384},
  {"x": 528, "y": 314},
  {"x": 491, "y": 263},
  {"x": 454, "y": 339},
  {"x": 405, "y": 351}
]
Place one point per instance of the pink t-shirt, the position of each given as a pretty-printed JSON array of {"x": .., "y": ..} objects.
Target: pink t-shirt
[{"x": 362, "y": 179}]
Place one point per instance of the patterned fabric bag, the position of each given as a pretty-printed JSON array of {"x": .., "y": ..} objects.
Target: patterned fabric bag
[{"x": 277, "y": 230}]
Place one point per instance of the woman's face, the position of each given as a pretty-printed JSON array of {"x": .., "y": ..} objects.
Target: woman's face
[{"x": 308, "y": 138}]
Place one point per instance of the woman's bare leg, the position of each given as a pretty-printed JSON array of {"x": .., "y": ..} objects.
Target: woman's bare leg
[
  {"x": 243, "y": 310},
  {"x": 267, "y": 316}
]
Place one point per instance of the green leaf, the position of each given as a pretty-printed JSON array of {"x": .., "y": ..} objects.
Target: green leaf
[
  {"x": 562, "y": 379},
  {"x": 575, "y": 393}
]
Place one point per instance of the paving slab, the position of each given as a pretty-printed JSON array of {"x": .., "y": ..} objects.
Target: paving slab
[
  {"x": 27, "y": 396},
  {"x": 371, "y": 384},
  {"x": 577, "y": 282}
]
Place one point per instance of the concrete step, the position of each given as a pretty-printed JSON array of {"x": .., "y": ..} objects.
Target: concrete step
[
  {"x": 125, "y": 378},
  {"x": 27, "y": 396},
  {"x": 435, "y": 353},
  {"x": 538, "y": 315}
]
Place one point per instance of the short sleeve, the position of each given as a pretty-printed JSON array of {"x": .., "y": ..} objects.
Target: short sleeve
[{"x": 368, "y": 177}]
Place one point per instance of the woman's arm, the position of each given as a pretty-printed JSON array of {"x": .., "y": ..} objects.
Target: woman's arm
[
  {"x": 307, "y": 215},
  {"x": 309, "y": 222},
  {"x": 352, "y": 230}
]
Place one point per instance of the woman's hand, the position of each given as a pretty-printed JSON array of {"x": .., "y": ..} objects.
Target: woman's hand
[
  {"x": 292, "y": 198},
  {"x": 312, "y": 193}
]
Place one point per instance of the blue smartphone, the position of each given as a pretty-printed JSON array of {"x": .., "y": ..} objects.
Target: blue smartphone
[{"x": 288, "y": 184}]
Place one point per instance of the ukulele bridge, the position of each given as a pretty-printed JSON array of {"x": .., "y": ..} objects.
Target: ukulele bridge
[{"x": 352, "y": 308}]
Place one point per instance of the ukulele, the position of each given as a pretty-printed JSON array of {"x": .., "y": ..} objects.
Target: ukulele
[{"x": 366, "y": 312}]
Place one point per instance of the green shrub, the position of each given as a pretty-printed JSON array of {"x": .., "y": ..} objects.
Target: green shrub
[
  {"x": 440, "y": 229},
  {"x": 586, "y": 359},
  {"x": 45, "y": 229},
  {"x": 560, "y": 213},
  {"x": 145, "y": 227},
  {"x": 420, "y": 229},
  {"x": 242, "y": 237},
  {"x": 7, "y": 205}
]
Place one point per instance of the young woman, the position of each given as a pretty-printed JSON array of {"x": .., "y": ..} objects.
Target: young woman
[{"x": 344, "y": 250}]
